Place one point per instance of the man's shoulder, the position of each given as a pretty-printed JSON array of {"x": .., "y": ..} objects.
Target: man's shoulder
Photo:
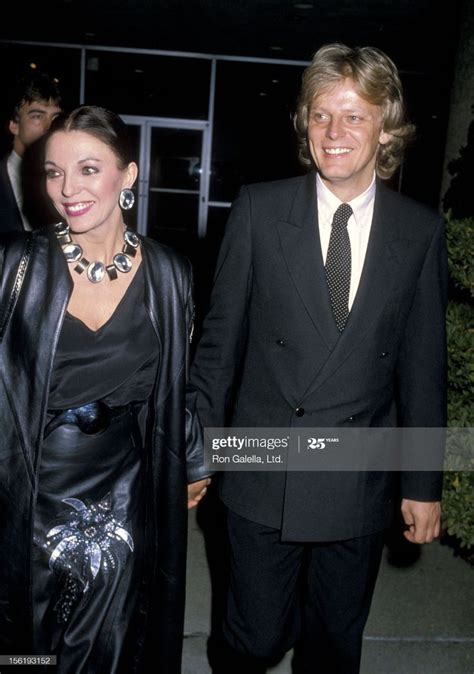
[
  {"x": 407, "y": 208},
  {"x": 276, "y": 187},
  {"x": 4, "y": 177},
  {"x": 270, "y": 199}
]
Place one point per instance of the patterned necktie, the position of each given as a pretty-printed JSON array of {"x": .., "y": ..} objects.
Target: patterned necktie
[{"x": 338, "y": 265}]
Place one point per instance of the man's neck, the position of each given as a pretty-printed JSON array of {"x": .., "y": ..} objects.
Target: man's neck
[
  {"x": 344, "y": 192},
  {"x": 345, "y": 196},
  {"x": 18, "y": 147}
]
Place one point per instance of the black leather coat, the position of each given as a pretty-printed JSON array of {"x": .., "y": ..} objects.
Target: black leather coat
[{"x": 172, "y": 437}]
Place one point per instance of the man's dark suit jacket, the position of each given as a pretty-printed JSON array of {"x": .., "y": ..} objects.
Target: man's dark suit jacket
[
  {"x": 271, "y": 337},
  {"x": 10, "y": 216},
  {"x": 36, "y": 205}
]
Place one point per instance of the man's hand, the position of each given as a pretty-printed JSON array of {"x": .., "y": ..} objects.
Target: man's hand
[
  {"x": 423, "y": 520},
  {"x": 196, "y": 491}
]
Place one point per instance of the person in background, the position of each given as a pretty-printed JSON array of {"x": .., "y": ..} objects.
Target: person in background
[
  {"x": 34, "y": 103},
  {"x": 328, "y": 310},
  {"x": 96, "y": 428}
]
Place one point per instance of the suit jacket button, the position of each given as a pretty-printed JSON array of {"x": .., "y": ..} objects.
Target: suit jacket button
[
  {"x": 384, "y": 354},
  {"x": 280, "y": 342},
  {"x": 299, "y": 411}
]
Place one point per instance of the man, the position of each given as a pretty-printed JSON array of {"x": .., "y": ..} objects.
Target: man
[
  {"x": 35, "y": 103},
  {"x": 327, "y": 311}
]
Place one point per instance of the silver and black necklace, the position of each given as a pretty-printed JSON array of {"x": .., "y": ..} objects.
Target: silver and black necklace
[{"x": 96, "y": 271}]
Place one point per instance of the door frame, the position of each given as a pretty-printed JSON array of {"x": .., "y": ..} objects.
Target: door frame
[{"x": 146, "y": 125}]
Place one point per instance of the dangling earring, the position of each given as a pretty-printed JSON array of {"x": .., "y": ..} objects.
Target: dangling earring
[{"x": 126, "y": 199}]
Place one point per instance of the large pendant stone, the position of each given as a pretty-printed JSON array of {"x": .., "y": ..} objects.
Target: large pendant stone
[
  {"x": 122, "y": 262},
  {"x": 131, "y": 238},
  {"x": 72, "y": 252},
  {"x": 96, "y": 272}
]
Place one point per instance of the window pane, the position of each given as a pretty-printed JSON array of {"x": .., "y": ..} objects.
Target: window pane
[
  {"x": 175, "y": 158},
  {"x": 176, "y": 212},
  {"x": 254, "y": 138},
  {"x": 141, "y": 84}
]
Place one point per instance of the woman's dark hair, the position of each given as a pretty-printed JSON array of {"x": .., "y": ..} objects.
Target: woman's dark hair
[{"x": 101, "y": 123}]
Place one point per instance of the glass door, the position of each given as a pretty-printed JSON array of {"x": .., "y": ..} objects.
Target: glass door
[{"x": 173, "y": 183}]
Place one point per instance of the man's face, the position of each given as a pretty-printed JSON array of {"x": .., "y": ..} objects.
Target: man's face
[
  {"x": 344, "y": 133},
  {"x": 34, "y": 120}
]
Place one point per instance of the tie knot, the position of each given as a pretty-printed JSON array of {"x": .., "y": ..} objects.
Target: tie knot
[{"x": 342, "y": 215}]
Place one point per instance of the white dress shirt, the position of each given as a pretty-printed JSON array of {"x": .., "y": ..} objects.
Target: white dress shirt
[
  {"x": 14, "y": 172},
  {"x": 358, "y": 226}
]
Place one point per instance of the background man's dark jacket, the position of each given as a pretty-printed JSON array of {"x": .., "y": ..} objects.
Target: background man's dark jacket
[
  {"x": 36, "y": 204},
  {"x": 10, "y": 216}
]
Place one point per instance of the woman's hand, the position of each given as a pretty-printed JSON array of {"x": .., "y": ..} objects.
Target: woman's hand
[{"x": 196, "y": 490}]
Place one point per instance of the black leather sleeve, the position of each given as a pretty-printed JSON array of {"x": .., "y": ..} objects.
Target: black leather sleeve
[{"x": 194, "y": 432}]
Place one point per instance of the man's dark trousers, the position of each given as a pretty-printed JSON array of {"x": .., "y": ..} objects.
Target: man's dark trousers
[{"x": 316, "y": 596}]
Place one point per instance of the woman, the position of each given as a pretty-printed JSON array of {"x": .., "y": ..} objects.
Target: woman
[{"x": 98, "y": 441}]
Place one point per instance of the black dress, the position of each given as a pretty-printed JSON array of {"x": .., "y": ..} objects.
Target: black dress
[{"x": 89, "y": 523}]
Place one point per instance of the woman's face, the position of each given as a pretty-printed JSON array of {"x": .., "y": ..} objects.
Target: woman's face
[{"x": 83, "y": 180}]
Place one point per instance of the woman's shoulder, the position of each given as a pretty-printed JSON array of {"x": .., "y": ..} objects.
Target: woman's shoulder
[
  {"x": 163, "y": 251},
  {"x": 165, "y": 254}
]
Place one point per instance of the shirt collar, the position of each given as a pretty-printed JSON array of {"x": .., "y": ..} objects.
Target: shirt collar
[
  {"x": 328, "y": 202},
  {"x": 14, "y": 160}
]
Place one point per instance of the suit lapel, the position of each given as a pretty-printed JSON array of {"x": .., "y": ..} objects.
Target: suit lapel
[
  {"x": 301, "y": 248},
  {"x": 376, "y": 286},
  {"x": 379, "y": 273}
]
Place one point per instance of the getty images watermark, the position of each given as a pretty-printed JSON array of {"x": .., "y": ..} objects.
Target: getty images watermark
[{"x": 340, "y": 449}]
